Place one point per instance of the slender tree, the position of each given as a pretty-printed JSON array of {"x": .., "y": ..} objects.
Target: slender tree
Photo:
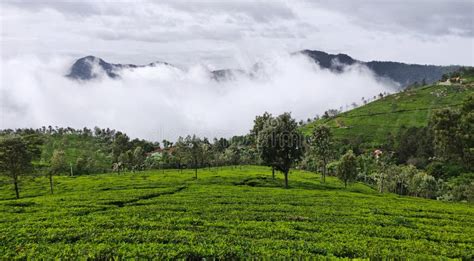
[
  {"x": 58, "y": 164},
  {"x": 322, "y": 147},
  {"x": 195, "y": 152},
  {"x": 138, "y": 158},
  {"x": 259, "y": 124},
  {"x": 180, "y": 152}
]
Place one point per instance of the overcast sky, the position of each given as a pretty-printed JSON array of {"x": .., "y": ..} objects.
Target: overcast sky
[{"x": 228, "y": 33}]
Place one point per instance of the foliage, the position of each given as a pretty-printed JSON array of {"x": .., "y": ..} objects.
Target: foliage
[
  {"x": 347, "y": 168},
  {"x": 228, "y": 213},
  {"x": 414, "y": 146},
  {"x": 372, "y": 123},
  {"x": 16, "y": 155},
  {"x": 460, "y": 188},
  {"x": 453, "y": 138},
  {"x": 281, "y": 143},
  {"x": 321, "y": 147},
  {"x": 58, "y": 165}
]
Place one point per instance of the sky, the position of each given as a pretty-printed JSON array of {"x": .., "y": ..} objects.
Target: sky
[
  {"x": 39, "y": 41},
  {"x": 221, "y": 33}
]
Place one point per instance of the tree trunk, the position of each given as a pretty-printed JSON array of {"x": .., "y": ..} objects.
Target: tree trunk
[
  {"x": 15, "y": 183},
  {"x": 273, "y": 172},
  {"x": 51, "y": 183},
  {"x": 345, "y": 183},
  {"x": 70, "y": 165},
  {"x": 286, "y": 179}
]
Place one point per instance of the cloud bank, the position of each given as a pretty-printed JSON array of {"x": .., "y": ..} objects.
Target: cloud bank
[{"x": 166, "y": 102}]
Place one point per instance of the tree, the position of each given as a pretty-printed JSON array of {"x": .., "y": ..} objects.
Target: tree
[
  {"x": 423, "y": 185},
  {"x": 58, "y": 164},
  {"x": 138, "y": 158},
  {"x": 233, "y": 153},
  {"x": 120, "y": 144},
  {"x": 15, "y": 159},
  {"x": 322, "y": 147},
  {"x": 206, "y": 157},
  {"x": 447, "y": 143},
  {"x": 467, "y": 131},
  {"x": 414, "y": 146},
  {"x": 259, "y": 124},
  {"x": 347, "y": 168},
  {"x": 452, "y": 131},
  {"x": 281, "y": 143},
  {"x": 383, "y": 163},
  {"x": 180, "y": 152},
  {"x": 126, "y": 159},
  {"x": 195, "y": 151},
  {"x": 366, "y": 168}
]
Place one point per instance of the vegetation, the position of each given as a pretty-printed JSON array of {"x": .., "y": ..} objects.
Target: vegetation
[
  {"x": 281, "y": 144},
  {"x": 152, "y": 207},
  {"x": 347, "y": 168},
  {"x": 375, "y": 122},
  {"x": 16, "y": 154},
  {"x": 227, "y": 213},
  {"x": 321, "y": 146}
]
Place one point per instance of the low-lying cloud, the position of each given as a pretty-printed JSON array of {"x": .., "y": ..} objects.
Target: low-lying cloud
[{"x": 167, "y": 102}]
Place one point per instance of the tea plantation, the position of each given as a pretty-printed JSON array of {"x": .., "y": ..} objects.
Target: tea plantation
[
  {"x": 226, "y": 213},
  {"x": 375, "y": 121}
]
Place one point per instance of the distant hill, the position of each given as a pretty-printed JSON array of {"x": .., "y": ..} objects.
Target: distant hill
[
  {"x": 83, "y": 68},
  {"x": 89, "y": 67},
  {"x": 402, "y": 73},
  {"x": 373, "y": 122}
]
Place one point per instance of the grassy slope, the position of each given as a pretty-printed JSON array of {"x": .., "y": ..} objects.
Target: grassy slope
[
  {"x": 374, "y": 121},
  {"x": 225, "y": 213}
]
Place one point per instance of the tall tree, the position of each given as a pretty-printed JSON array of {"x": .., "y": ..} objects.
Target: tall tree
[
  {"x": 281, "y": 143},
  {"x": 347, "y": 168},
  {"x": 15, "y": 159},
  {"x": 322, "y": 147},
  {"x": 446, "y": 130},
  {"x": 120, "y": 144},
  {"x": 138, "y": 158},
  {"x": 58, "y": 164},
  {"x": 259, "y": 125},
  {"x": 195, "y": 151},
  {"x": 467, "y": 131},
  {"x": 180, "y": 152}
]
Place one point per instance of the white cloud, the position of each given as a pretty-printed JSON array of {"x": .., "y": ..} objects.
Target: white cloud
[{"x": 165, "y": 102}]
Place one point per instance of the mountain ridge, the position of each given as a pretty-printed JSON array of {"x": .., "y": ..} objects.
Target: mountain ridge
[{"x": 402, "y": 73}]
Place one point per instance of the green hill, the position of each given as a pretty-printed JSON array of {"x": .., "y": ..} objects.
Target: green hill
[
  {"x": 374, "y": 121},
  {"x": 229, "y": 213}
]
